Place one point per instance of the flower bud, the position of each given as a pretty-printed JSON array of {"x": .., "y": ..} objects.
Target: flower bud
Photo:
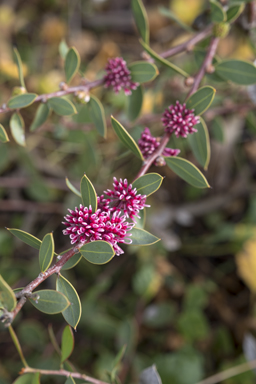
[
  {"x": 18, "y": 91},
  {"x": 221, "y": 30}
]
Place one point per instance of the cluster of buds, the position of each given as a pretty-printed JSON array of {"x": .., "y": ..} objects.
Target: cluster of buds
[{"x": 118, "y": 76}]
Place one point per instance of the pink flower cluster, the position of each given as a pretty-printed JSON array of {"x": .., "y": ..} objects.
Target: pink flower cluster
[
  {"x": 109, "y": 222},
  {"x": 148, "y": 144},
  {"x": 179, "y": 120},
  {"x": 118, "y": 76}
]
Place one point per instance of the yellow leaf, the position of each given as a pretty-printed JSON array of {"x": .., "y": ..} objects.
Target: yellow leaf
[
  {"x": 246, "y": 263},
  {"x": 187, "y": 10}
]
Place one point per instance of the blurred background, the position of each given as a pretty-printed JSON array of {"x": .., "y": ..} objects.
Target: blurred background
[{"x": 187, "y": 303}]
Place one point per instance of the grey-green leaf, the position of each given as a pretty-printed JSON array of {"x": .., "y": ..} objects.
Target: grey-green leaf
[
  {"x": 234, "y": 12},
  {"x": 72, "y": 314},
  {"x": 72, "y": 188},
  {"x": 72, "y": 63},
  {"x": 46, "y": 252},
  {"x": 72, "y": 262},
  {"x": 42, "y": 114},
  {"x": 7, "y": 297},
  {"x": 217, "y": 12},
  {"x": 70, "y": 380},
  {"x": 63, "y": 48},
  {"x": 238, "y": 71},
  {"x": 148, "y": 184},
  {"x": 97, "y": 115},
  {"x": 142, "y": 72},
  {"x": 97, "y": 252},
  {"x": 19, "y": 65},
  {"x": 26, "y": 237},
  {"x": 17, "y": 128},
  {"x": 134, "y": 101},
  {"x": 61, "y": 106},
  {"x": 125, "y": 138},
  {"x": 142, "y": 237},
  {"x": 67, "y": 343},
  {"x": 21, "y": 101},
  {"x": 3, "y": 135},
  {"x": 187, "y": 171},
  {"x": 50, "y": 301},
  {"x": 201, "y": 100},
  {"x": 88, "y": 193},
  {"x": 200, "y": 144},
  {"x": 141, "y": 19}
]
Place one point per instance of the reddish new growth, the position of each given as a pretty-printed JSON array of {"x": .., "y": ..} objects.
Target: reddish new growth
[
  {"x": 148, "y": 144},
  {"x": 124, "y": 197},
  {"x": 85, "y": 226},
  {"x": 179, "y": 120},
  {"x": 118, "y": 76}
]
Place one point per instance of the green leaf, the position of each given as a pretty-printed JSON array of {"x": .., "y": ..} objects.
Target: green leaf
[
  {"x": 72, "y": 262},
  {"x": 142, "y": 237},
  {"x": 61, "y": 106},
  {"x": 187, "y": 171},
  {"x": 17, "y": 129},
  {"x": 97, "y": 115},
  {"x": 88, "y": 193},
  {"x": 142, "y": 72},
  {"x": 26, "y": 237},
  {"x": 19, "y": 65},
  {"x": 72, "y": 63},
  {"x": 201, "y": 100},
  {"x": 141, "y": 19},
  {"x": 42, "y": 114},
  {"x": 234, "y": 12},
  {"x": 200, "y": 144},
  {"x": 140, "y": 223},
  {"x": 25, "y": 379},
  {"x": 163, "y": 61},
  {"x": 135, "y": 101},
  {"x": 168, "y": 13},
  {"x": 238, "y": 71},
  {"x": 119, "y": 356},
  {"x": 126, "y": 139},
  {"x": 148, "y": 184},
  {"x": 72, "y": 314},
  {"x": 70, "y": 380},
  {"x": 3, "y": 135},
  {"x": 46, "y": 252},
  {"x": 97, "y": 252},
  {"x": 63, "y": 49},
  {"x": 217, "y": 129},
  {"x": 21, "y": 101},
  {"x": 7, "y": 297},
  {"x": 67, "y": 343},
  {"x": 72, "y": 188},
  {"x": 50, "y": 301},
  {"x": 217, "y": 12}
]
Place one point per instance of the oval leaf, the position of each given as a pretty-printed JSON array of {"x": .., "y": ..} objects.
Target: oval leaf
[
  {"x": 7, "y": 297},
  {"x": 3, "y": 135},
  {"x": 142, "y": 237},
  {"x": 201, "y": 99},
  {"x": 187, "y": 171},
  {"x": 21, "y": 101},
  {"x": 135, "y": 101},
  {"x": 72, "y": 262},
  {"x": 50, "y": 301},
  {"x": 238, "y": 71},
  {"x": 200, "y": 144},
  {"x": 72, "y": 188},
  {"x": 19, "y": 65},
  {"x": 97, "y": 252},
  {"x": 26, "y": 237},
  {"x": 148, "y": 184},
  {"x": 67, "y": 343},
  {"x": 42, "y": 114},
  {"x": 163, "y": 61},
  {"x": 25, "y": 379},
  {"x": 70, "y": 380},
  {"x": 142, "y": 71},
  {"x": 62, "y": 107},
  {"x": 141, "y": 19},
  {"x": 72, "y": 314},
  {"x": 126, "y": 139},
  {"x": 46, "y": 252},
  {"x": 217, "y": 12},
  {"x": 234, "y": 12},
  {"x": 97, "y": 115},
  {"x": 17, "y": 128},
  {"x": 88, "y": 193},
  {"x": 63, "y": 49},
  {"x": 72, "y": 63}
]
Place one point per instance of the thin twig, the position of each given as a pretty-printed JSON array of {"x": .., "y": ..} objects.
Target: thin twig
[{"x": 63, "y": 372}]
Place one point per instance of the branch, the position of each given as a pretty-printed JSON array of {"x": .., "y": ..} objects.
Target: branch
[{"x": 62, "y": 372}]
